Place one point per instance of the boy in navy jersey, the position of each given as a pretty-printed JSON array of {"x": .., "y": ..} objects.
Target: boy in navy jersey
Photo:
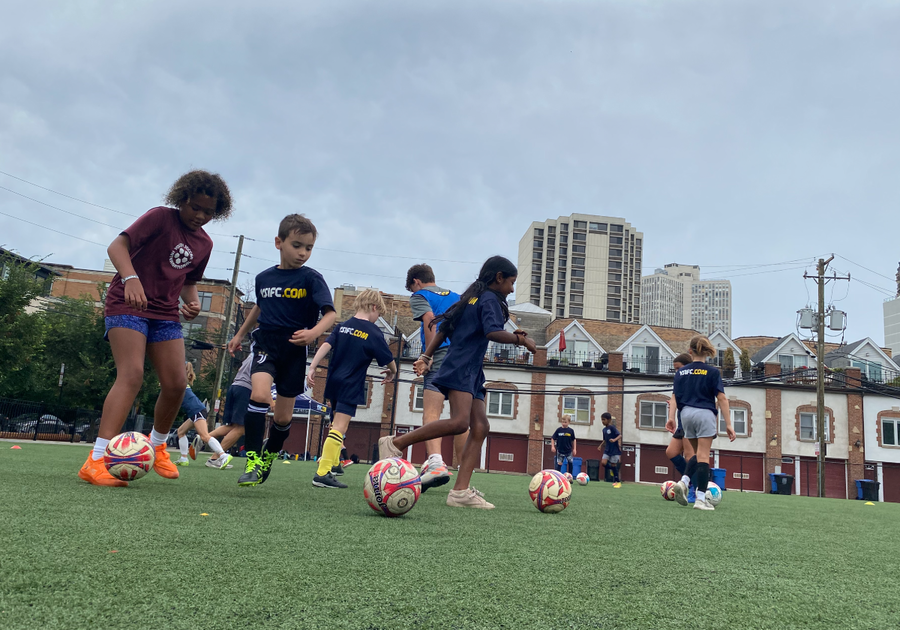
[
  {"x": 353, "y": 345},
  {"x": 612, "y": 452},
  {"x": 563, "y": 444},
  {"x": 427, "y": 302},
  {"x": 289, "y": 300}
]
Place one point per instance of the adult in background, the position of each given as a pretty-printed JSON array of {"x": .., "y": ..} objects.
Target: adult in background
[
  {"x": 563, "y": 444},
  {"x": 428, "y": 300}
]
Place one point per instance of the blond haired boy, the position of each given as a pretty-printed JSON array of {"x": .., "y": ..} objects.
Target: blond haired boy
[{"x": 353, "y": 344}]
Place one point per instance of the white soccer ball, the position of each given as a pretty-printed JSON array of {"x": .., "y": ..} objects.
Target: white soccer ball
[
  {"x": 129, "y": 456},
  {"x": 569, "y": 477},
  {"x": 392, "y": 486},
  {"x": 668, "y": 490},
  {"x": 713, "y": 494},
  {"x": 550, "y": 491},
  {"x": 582, "y": 479}
]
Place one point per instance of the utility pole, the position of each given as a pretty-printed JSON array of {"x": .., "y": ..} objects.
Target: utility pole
[
  {"x": 226, "y": 326},
  {"x": 820, "y": 370}
]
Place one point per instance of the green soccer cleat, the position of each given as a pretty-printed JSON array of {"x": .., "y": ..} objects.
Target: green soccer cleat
[
  {"x": 267, "y": 460},
  {"x": 253, "y": 474}
]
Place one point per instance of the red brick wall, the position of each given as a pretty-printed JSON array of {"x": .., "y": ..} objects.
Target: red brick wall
[{"x": 536, "y": 414}]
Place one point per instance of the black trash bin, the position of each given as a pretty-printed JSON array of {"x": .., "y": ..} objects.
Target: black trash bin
[
  {"x": 593, "y": 469},
  {"x": 781, "y": 484},
  {"x": 867, "y": 490}
]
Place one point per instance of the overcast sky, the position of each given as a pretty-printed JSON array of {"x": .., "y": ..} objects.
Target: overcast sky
[{"x": 733, "y": 134}]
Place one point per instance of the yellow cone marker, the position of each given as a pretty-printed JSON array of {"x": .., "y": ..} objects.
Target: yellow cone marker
[
  {"x": 869, "y": 503},
  {"x": 285, "y": 462},
  {"x": 204, "y": 514}
]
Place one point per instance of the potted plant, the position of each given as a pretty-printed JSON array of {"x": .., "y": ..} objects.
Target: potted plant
[
  {"x": 586, "y": 364},
  {"x": 553, "y": 362},
  {"x": 728, "y": 364},
  {"x": 746, "y": 366}
]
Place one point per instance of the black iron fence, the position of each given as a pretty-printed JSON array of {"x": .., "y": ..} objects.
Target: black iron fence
[{"x": 22, "y": 419}]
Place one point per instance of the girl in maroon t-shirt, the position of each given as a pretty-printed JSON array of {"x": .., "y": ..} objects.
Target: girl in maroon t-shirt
[{"x": 159, "y": 259}]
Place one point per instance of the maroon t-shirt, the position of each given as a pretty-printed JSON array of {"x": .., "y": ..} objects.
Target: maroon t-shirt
[{"x": 165, "y": 255}]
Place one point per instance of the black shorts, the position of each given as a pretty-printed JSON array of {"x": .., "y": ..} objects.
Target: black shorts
[
  {"x": 236, "y": 405},
  {"x": 274, "y": 354}
]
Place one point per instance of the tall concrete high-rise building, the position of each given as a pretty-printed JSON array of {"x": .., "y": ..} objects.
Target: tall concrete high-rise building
[
  {"x": 892, "y": 321},
  {"x": 584, "y": 266},
  {"x": 675, "y": 296}
]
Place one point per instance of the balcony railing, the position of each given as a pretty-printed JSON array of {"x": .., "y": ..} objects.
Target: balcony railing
[{"x": 496, "y": 353}]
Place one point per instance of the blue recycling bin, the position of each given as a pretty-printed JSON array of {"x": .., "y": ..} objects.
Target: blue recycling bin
[
  {"x": 576, "y": 466},
  {"x": 717, "y": 476},
  {"x": 867, "y": 490}
]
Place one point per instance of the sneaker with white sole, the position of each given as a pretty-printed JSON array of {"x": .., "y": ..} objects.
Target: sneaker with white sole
[
  {"x": 337, "y": 471},
  {"x": 196, "y": 446},
  {"x": 387, "y": 449},
  {"x": 327, "y": 480},
  {"x": 183, "y": 461},
  {"x": 434, "y": 474},
  {"x": 703, "y": 505},
  {"x": 220, "y": 462},
  {"x": 681, "y": 493},
  {"x": 470, "y": 498}
]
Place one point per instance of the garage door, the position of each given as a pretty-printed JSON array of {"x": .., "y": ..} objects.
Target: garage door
[
  {"x": 743, "y": 471},
  {"x": 890, "y": 479},
  {"x": 835, "y": 478}
]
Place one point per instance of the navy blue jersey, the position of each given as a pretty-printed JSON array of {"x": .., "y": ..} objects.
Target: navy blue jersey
[
  {"x": 291, "y": 299},
  {"x": 609, "y": 447},
  {"x": 461, "y": 370},
  {"x": 697, "y": 384},
  {"x": 565, "y": 440},
  {"x": 354, "y": 344},
  {"x": 434, "y": 300}
]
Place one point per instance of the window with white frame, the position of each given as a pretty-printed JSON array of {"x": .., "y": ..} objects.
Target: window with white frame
[
  {"x": 579, "y": 407},
  {"x": 190, "y": 329},
  {"x": 205, "y": 300},
  {"x": 808, "y": 425},
  {"x": 500, "y": 404},
  {"x": 419, "y": 397},
  {"x": 738, "y": 422},
  {"x": 654, "y": 414},
  {"x": 890, "y": 431},
  {"x": 869, "y": 369}
]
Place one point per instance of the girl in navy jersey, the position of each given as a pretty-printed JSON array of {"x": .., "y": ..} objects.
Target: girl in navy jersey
[
  {"x": 159, "y": 259},
  {"x": 679, "y": 450},
  {"x": 698, "y": 391},
  {"x": 470, "y": 324}
]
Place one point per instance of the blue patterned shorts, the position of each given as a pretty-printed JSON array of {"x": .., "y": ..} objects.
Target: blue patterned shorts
[{"x": 155, "y": 330}]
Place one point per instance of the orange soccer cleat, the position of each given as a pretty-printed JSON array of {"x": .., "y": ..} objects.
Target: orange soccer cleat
[
  {"x": 163, "y": 463},
  {"x": 94, "y": 472}
]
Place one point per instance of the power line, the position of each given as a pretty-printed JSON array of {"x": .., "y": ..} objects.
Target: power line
[
  {"x": 59, "y": 209},
  {"x": 866, "y": 268},
  {"x": 344, "y": 251},
  {"x": 52, "y": 230}
]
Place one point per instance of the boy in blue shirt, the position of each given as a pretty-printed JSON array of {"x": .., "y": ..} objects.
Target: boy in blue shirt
[
  {"x": 289, "y": 299},
  {"x": 563, "y": 444},
  {"x": 427, "y": 302},
  {"x": 612, "y": 452},
  {"x": 353, "y": 344}
]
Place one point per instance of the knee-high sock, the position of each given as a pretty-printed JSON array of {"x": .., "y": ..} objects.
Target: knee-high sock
[
  {"x": 255, "y": 426},
  {"x": 680, "y": 463},
  {"x": 616, "y": 472},
  {"x": 330, "y": 452},
  {"x": 608, "y": 468},
  {"x": 277, "y": 436},
  {"x": 215, "y": 446},
  {"x": 183, "y": 445},
  {"x": 701, "y": 479},
  {"x": 690, "y": 470},
  {"x": 340, "y": 455}
]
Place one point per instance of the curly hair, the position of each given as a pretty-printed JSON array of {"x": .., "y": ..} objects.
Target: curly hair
[{"x": 201, "y": 183}]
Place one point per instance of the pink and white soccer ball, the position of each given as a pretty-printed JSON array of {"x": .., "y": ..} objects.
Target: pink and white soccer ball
[
  {"x": 668, "y": 490},
  {"x": 129, "y": 456},
  {"x": 392, "y": 486},
  {"x": 550, "y": 491},
  {"x": 582, "y": 479},
  {"x": 569, "y": 477}
]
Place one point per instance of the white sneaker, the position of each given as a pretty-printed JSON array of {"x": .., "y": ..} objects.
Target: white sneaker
[
  {"x": 681, "y": 493},
  {"x": 183, "y": 461},
  {"x": 221, "y": 462},
  {"x": 703, "y": 505},
  {"x": 434, "y": 473},
  {"x": 387, "y": 449},
  {"x": 469, "y": 497}
]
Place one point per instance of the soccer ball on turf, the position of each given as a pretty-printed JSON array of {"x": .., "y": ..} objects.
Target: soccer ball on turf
[
  {"x": 550, "y": 491},
  {"x": 582, "y": 479},
  {"x": 713, "y": 494},
  {"x": 668, "y": 490},
  {"x": 570, "y": 478},
  {"x": 129, "y": 456},
  {"x": 392, "y": 486}
]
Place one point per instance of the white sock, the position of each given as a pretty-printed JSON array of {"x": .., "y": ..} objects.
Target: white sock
[
  {"x": 183, "y": 445},
  {"x": 99, "y": 448},
  {"x": 701, "y": 496},
  {"x": 215, "y": 446},
  {"x": 436, "y": 459},
  {"x": 686, "y": 480},
  {"x": 157, "y": 438}
]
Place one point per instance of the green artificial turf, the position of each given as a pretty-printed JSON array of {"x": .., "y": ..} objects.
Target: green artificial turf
[{"x": 286, "y": 555}]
